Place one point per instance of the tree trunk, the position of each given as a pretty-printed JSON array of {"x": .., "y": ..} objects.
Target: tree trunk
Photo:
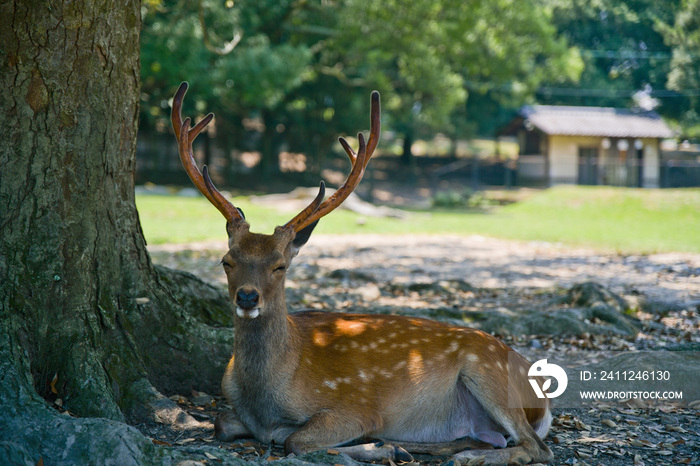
[
  {"x": 407, "y": 154},
  {"x": 269, "y": 155},
  {"x": 85, "y": 315}
]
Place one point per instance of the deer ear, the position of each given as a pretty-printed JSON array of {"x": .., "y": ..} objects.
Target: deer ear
[
  {"x": 303, "y": 236},
  {"x": 235, "y": 228}
]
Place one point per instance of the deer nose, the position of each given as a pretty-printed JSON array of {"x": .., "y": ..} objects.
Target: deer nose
[{"x": 247, "y": 299}]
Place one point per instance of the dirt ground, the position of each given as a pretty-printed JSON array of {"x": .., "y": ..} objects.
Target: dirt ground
[{"x": 459, "y": 277}]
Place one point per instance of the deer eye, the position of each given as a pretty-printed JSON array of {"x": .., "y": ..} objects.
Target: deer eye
[
  {"x": 227, "y": 265},
  {"x": 280, "y": 268}
]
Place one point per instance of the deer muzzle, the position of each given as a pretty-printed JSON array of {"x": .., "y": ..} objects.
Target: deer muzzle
[{"x": 247, "y": 303}]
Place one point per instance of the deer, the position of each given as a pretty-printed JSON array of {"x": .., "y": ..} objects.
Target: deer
[{"x": 315, "y": 380}]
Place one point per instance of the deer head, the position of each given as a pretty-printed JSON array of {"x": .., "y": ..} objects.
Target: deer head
[{"x": 255, "y": 264}]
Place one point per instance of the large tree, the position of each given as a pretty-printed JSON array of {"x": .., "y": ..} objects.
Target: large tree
[
  {"x": 85, "y": 315},
  {"x": 425, "y": 55},
  {"x": 683, "y": 34}
]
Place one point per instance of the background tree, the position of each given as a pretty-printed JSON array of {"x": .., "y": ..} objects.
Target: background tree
[
  {"x": 85, "y": 315},
  {"x": 300, "y": 69},
  {"x": 683, "y": 35},
  {"x": 623, "y": 51},
  {"x": 425, "y": 56},
  {"x": 247, "y": 82}
]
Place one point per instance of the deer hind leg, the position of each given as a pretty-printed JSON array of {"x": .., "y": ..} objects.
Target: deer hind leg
[
  {"x": 529, "y": 447},
  {"x": 228, "y": 427},
  {"x": 328, "y": 429},
  {"x": 441, "y": 448}
]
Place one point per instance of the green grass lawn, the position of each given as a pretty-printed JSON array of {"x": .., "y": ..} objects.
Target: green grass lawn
[{"x": 626, "y": 220}]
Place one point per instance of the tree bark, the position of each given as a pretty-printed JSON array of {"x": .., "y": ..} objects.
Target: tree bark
[
  {"x": 269, "y": 160},
  {"x": 85, "y": 315}
]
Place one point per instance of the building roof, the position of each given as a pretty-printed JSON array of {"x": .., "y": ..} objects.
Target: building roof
[{"x": 595, "y": 121}]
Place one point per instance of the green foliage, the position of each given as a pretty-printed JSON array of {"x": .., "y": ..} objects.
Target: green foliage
[
  {"x": 303, "y": 70},
  {"x": 425, "y": 54},
  {"x": 684, "y": 36},
  {"x": 628, "y": 220},
  {"x": 260, "y": 75},
  {"x": 625, "y": 45}
]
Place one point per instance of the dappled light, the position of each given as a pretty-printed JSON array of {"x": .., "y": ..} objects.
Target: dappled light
[{"x": 350, "y": 328}]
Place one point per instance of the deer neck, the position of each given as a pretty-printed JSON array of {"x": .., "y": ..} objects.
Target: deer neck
[{"x": 265, "y": 343}]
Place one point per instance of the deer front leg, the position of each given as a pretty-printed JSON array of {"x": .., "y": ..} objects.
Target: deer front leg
[
  {"x": 228, "y": 427},
  {"x": 328, "y": 429}
]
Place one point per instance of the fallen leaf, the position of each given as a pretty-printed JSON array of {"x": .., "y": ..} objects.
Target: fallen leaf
[
  {"x": 333, "y": 452},
  {"x": 476, "y": 461},
  {"x": 178, "y": 399},
  {"x": 595, "y": 439},
  {"x": 210, "y": 456},
  {"x": 161, "y": 443},
  {"x": 635, "y": 443},
  {"x": 672, "y": 428},
  {"x": 52, "y": 385}
]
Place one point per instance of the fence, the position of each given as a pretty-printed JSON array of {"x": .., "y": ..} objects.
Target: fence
[
  {"x": 679, "y": 174},
  {"x": 157, "y": 161},
  {"x": 532, "y": 171}
]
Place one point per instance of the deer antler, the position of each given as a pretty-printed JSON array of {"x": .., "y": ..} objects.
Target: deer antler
[
  {"x": 359, "y": 161},
  {"x": 185, "y": 136}
]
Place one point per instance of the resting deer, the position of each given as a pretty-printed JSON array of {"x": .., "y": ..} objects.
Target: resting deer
[{"x": 314, "y": 380}]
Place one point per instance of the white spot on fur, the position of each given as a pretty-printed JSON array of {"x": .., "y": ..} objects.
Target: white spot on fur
[
  {"x": 472, "y": 357},
  {"x": 331, "y": 384},
  {"x": 246, "y": 314}
]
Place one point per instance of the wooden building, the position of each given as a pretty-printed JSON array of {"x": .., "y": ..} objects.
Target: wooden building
[{"x": 589, "y": 145}]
